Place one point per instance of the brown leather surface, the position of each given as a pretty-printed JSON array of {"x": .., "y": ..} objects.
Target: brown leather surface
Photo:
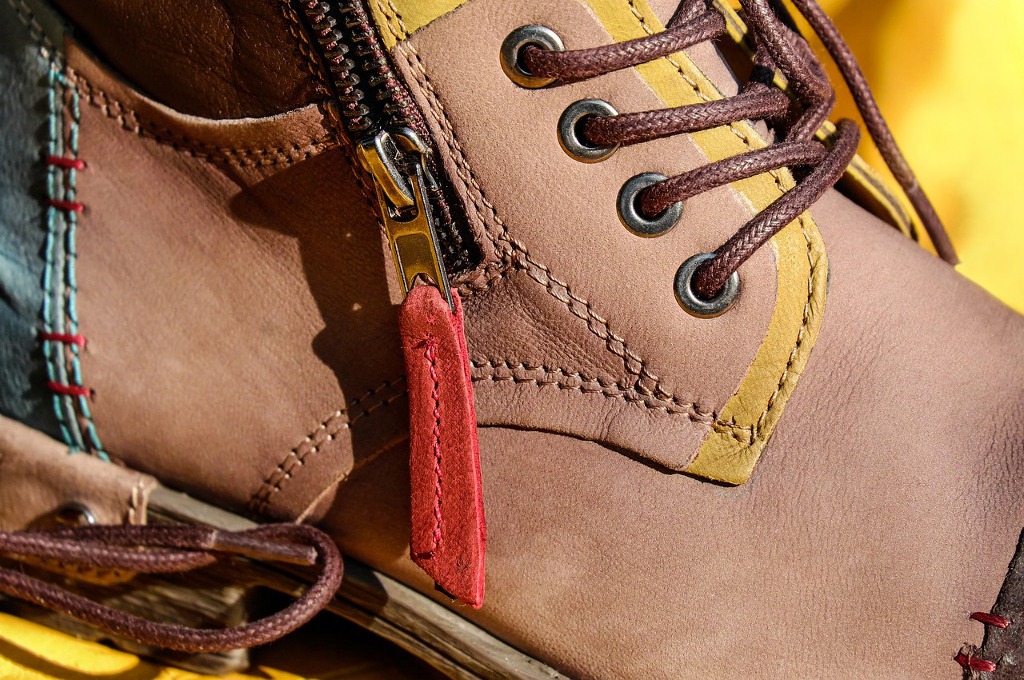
[
  {"x": 885, "y": 509},
  {"x": 213, "y": 58},
  {"x": 39, "y": 477},
  {"x": 235, "y": 297},
  {"x": 655, "y": 386}
]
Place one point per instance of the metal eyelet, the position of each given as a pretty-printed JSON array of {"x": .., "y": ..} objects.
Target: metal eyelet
[
  {"x": 74, "y": 514},
  {"x": 692, "y": 302},
  {"x": 568, "y": 130},
  {"x": 533, "y": 34},
  {"x": 631, "y": 215}
]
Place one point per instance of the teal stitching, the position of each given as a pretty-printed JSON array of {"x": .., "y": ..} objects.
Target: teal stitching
[
  {"x": 71, "y": 277},
  {"x": 63, "y": 406}
]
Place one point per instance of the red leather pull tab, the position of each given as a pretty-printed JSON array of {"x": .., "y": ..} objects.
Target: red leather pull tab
[{"x": 448, "y": 530}]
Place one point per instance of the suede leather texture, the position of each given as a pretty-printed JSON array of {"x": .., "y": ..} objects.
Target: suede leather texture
[
  {"x": 212, "y": 58},
  {"x": 881, "y": 514},
  {"x": 448, "y": 527},
  {"x": 24, "y": 65},
  {"x": 544, "y": 314},
  {"x": 40, "y": 480},
  {"x": 229, "y": 273},
  {"x": 243, "y": 345}
]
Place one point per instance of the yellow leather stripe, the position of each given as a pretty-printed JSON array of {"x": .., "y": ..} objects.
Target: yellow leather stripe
[
  {"x": 872, "y": 190},
  {"x": 398, "y": 19},
  {"x": 728, "y": 454}
]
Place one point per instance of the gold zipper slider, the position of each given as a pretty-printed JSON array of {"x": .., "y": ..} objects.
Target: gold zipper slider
[{"x": 397, "y": 161}]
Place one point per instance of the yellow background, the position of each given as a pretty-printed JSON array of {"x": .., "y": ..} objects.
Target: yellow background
[{"x": 949, "y": 75}]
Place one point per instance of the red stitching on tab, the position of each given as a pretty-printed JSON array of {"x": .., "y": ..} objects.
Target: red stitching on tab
[
  {"x": 70, "y": 206},
  {"x": 70, "y": 390},
  {"x": 65, "y": 338},
  {"x": 69, "y": 163},
  {"x": 974, "y": 663},
  {"x": 430, "y": 353},
  {"x": 991, "y": 619}
]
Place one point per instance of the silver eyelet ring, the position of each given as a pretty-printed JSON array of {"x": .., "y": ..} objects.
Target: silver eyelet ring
[
  {"x": 695, "y": 304},
  {"x": 74, "y": 514},
  {"x": 634, "y": 219},
  {"x": 533, "y": 34},
  {"x": 568, "y": 130}
]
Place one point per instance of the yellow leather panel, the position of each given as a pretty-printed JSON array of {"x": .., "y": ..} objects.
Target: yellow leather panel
[
  {"x": 729, "y": 455},
  {"x": 398, "y": 19}
]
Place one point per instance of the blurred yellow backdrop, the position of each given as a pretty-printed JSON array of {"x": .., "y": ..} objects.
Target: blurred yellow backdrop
[{"x": 949, "y": 76}]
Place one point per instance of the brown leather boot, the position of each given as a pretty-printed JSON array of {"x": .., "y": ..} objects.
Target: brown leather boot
[{"x": 733, "y": 421}]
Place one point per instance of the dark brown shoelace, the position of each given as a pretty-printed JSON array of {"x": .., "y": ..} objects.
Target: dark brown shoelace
[
  {"x": 165, "y": 550},
  {"x": 168, "y": 550},
  {"x": 795, "y": 119}
]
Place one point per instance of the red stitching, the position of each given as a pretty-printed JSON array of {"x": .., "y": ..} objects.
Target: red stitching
[
  {"x": 68, "y": 163},
  {"x": 70, "y": 206},
  {"x": 70, "y": 390},
  {"x": 65, "y": 338},
  {"x": 974, "y": 663},
  {"x": 991, "y": 619},
  {"x": 430, "y": 353}
]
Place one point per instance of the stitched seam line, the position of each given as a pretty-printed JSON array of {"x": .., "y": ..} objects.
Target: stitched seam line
[
  {"x": 394, "y": 19},
  {"x": 303, "y": 45},
  {"x": 326, "y": 432},
  {"x": 813, "y": 266},
  {"x": 430, "y": 354},
  {"x": 74, "y": 351},
  {"x": 510, "y": 371},
  {"x": 131, "y": 121},
  {"x": 517, "y": 255},
  {"x": 53, "y": 278}
]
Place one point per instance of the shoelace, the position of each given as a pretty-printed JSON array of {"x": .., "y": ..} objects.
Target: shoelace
[
  {"x": 816, "y": 166},
  {"x": 168, "y": 550},
  {"x": 179, "y": 549}
]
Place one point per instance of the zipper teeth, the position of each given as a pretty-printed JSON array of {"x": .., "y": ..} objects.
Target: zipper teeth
[
  {"x": 370, "y": 97},
  {"x": 367, "y": 89},
  {"x": 340, "y": 67}
]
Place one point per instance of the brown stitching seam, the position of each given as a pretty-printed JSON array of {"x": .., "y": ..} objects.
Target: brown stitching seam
[
  {"x": 334, "y": 423},
  {"x": 510, "y": 371},
  {"x": 303, "y": 46},
  {"x": 131, "y": 121},
  {"x": 517, "y": 254},
  {"x": 805, "y": 322}
]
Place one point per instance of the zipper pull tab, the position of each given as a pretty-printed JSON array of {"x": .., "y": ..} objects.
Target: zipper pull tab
[
  {"x": 448, "y": 537},
  {"x": 397, "y": 162}
]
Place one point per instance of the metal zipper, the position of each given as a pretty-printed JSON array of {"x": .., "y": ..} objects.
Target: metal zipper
[
  {"x": 397, "y": 162},
  {"x": 392, "y": 144}
]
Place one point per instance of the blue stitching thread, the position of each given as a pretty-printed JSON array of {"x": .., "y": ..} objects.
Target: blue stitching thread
[
  {"x": 52, "y": 278},
  {"x": 71, "y": 277}
]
